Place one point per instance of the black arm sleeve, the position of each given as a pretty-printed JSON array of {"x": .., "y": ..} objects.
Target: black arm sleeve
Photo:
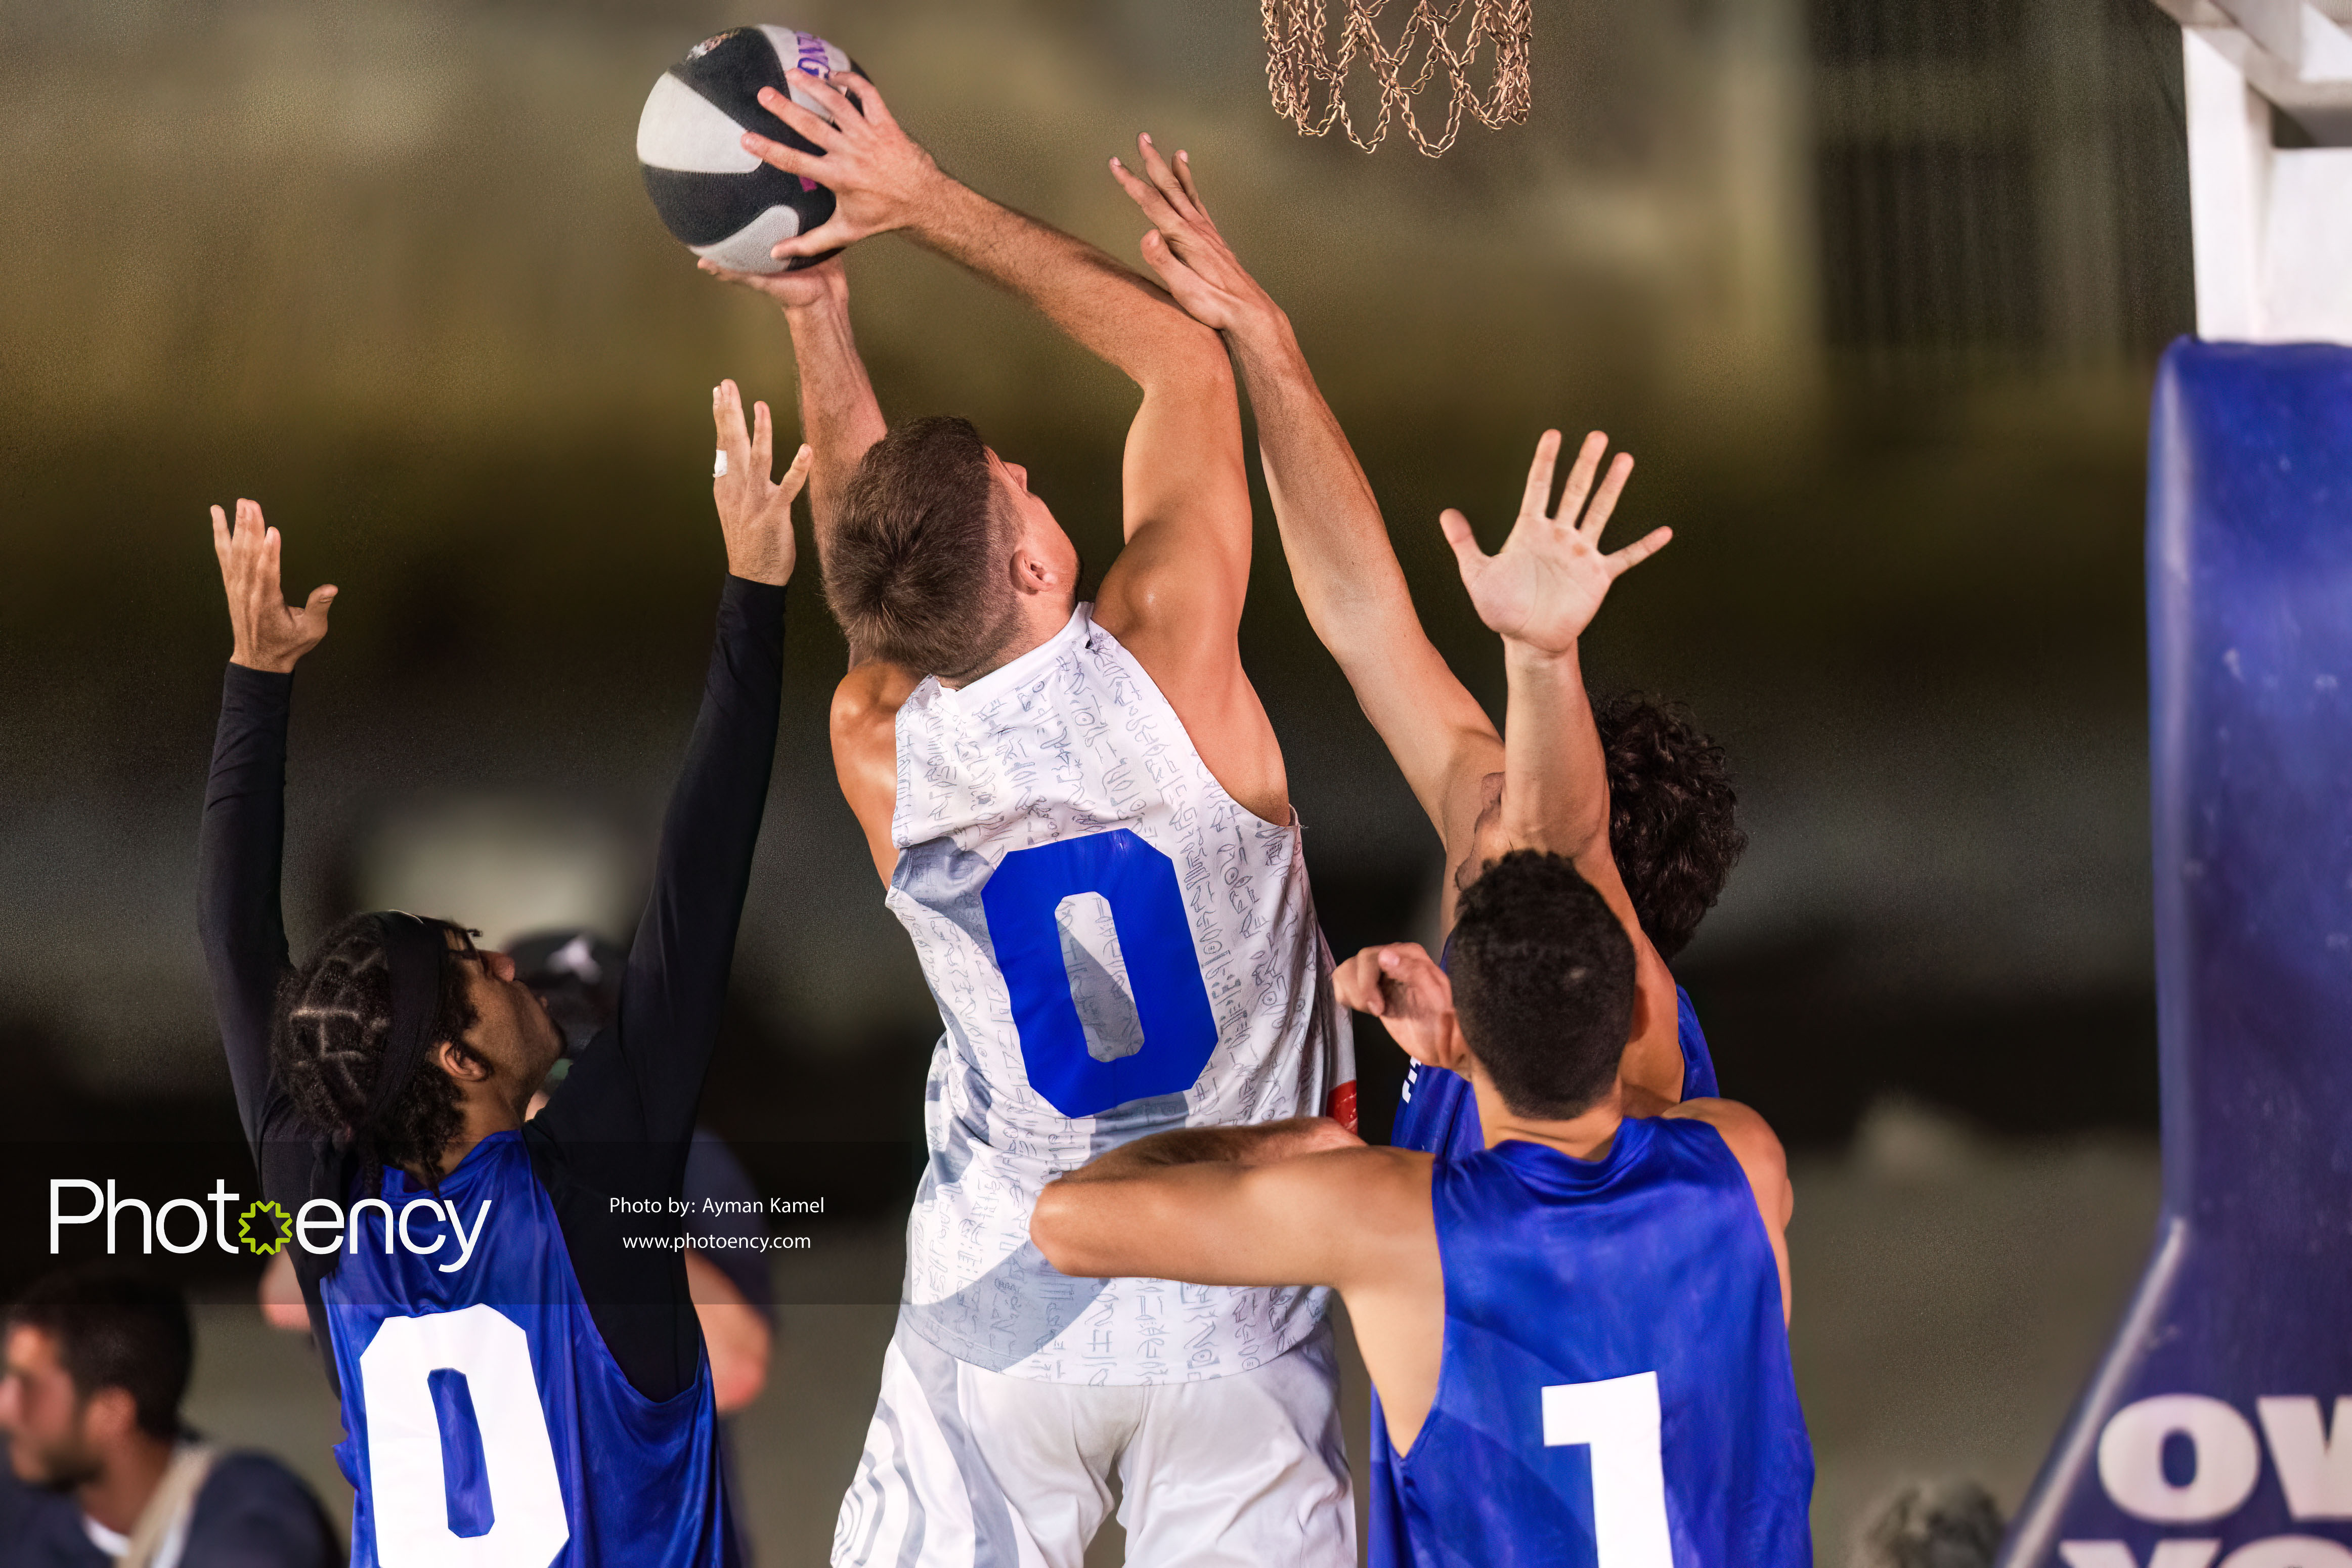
[
  {"x": 621, "y": 1122},
  {"x": 240, "y": 849}
]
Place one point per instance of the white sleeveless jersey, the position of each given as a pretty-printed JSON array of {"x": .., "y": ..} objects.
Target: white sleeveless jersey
[{"x": 1117, "y": 948}]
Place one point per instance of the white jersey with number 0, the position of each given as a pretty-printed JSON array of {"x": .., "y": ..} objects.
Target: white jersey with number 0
[{"x": 1117, "y": 948}]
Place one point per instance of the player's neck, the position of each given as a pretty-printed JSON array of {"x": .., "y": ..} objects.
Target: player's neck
[
  {"x": 484, "y": 1112},
  {"x": 120, "y": 1492},
  {"x": 1037, "y": 623},
  {"x": 1586, "y": 1135}
]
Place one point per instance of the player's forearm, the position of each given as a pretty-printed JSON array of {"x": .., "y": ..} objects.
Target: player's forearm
[
  {"x": 1332, "y": 531},
  {"x": 1194, "y": 1146},
  {"x": 676, "y": 984},
  {"x": 1108, "y": 310},
  {"x": 1347, "y": 575},
  {"x": 1555, "y": 775},
  {"x": 239, "y": 851},
  {"x": 840, "y": 417}
]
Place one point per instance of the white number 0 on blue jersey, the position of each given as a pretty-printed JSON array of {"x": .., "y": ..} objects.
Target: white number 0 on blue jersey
[
  {"x": 409, "y": 1473},
  {"x": 1618, "y": 1418}
]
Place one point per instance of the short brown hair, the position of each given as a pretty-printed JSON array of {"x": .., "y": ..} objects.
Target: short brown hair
[
  {"x": 116, "y": 1329},
  {"x": 911, "y": 570}
]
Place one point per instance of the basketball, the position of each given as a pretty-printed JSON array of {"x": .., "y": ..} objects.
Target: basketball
[{"x": 722, "y": 202}]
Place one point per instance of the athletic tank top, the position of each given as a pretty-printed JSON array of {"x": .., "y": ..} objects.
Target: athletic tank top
[
  {"x": 1117, "y": 948},
  {"x": 1616, "y": 1387},
  {"x": 484, "y": 1419}
]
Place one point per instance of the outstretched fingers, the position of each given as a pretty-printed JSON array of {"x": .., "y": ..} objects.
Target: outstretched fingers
[
  {"x": 1536, "y": 498},
  {"x": 1466, "y": 553},
  {"x": 797, "y": 475},
  {"x": 1579, "y": 479},
  {"x": 1163, "y": 177},
  {"x": 1604, "y": 499},
  {"x": 1191, "y": 186},
  {"x": 1640, "y": 550},
  {"x": 1146, "y": 195},
  {"x": 315, "y": 608},
  {"x": 727, "y": 415}
]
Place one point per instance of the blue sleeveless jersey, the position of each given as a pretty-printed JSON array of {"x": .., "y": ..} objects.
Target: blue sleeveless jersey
[
  {"x": 1616, "y": 1389},
  {"x": 485, "y": 1421},
  {"x": 1437, "y": 1114}
]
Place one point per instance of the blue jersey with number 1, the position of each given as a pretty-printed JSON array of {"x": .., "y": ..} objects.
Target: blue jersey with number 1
[
  {"x": 486, "y": 1422},
  {"x": 1616, "y": 1389}
]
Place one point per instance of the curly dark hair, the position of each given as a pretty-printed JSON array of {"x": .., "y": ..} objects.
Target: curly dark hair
[
  {"x": 333, "y": 1019},
  {"x": 1673, "y": 824},
  {"x": 1543, "y": 983}
]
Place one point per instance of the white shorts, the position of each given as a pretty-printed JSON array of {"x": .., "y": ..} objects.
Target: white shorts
[{"x": 969, "y": 1469}]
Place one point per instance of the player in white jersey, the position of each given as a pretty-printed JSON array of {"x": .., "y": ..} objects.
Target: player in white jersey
[{"x": 1082, "y": 817}]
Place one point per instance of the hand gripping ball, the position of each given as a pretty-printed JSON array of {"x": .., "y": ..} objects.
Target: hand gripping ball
[{"x": 720, "y": 200}]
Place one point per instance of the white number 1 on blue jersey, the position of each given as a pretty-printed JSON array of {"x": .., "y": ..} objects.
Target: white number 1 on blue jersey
[{"x": 1618, "y": 1420}]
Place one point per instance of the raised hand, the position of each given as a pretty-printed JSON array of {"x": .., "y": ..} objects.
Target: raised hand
[
  {"x": 880, "y": 178},
  {"x": 755, "y": 512},
  {"x": 269, "y": 633},
  {"x": 1546, "y": 584},
  {"x": 826, "y": 283},
  {"x": 1402, "y": 986},
  {"x": 1183, "y": 246}
]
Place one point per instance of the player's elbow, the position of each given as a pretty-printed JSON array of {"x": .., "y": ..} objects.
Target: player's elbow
[
  {"x": 1189, "y": 359},
  {"x": 1063, "y": 1228},
  {"x": 738, "y": 1360}
]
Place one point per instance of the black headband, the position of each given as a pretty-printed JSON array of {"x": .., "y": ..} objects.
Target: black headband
[{"x": 414, "y": 950}]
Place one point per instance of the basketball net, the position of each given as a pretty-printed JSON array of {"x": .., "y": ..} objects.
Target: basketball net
[{"x": 1299, "y": 70}]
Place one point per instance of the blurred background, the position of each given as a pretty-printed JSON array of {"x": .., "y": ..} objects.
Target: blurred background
[{"x": 1874, "y": 289}]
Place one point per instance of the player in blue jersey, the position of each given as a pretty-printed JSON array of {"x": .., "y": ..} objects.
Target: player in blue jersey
[
  {"x": 1578, "y": 1333},
  {"x": 519, "y": 1383},
  {"x": 1641, "y": 804}
]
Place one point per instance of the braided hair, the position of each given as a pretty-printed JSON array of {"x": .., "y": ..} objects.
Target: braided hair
[
  {"x": 327, "y": 1039},
  {"x": 1673, "y": 827}
]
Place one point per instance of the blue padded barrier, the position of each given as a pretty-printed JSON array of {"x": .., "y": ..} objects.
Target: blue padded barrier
[{"x": 2211, "y": 1435}]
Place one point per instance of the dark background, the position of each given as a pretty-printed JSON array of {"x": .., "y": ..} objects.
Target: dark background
[{"x": 1872, "y": 288}]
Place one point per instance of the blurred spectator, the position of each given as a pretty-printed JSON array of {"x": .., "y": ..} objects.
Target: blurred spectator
[
  {"x": 97, "y": 1362},
  {"x": 1932, "y": 1524}
]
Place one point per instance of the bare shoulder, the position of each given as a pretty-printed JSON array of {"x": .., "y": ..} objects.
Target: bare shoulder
[
  {"x": 865, "y": 705},
  {"x": 1742, "y": 1128},
  {"x": 864, "y": 723},
  {"x": 1752, "y": 1143}
]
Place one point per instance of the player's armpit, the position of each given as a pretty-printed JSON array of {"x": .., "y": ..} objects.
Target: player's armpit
[{"x": 863, "y": 726}]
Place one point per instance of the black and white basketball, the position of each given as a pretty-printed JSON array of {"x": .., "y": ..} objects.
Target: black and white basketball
[{"x": 720, "y": 200}]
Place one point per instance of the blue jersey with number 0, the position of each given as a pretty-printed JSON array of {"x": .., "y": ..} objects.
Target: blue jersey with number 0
[
  {"x": 1616, "y": 1390},
  {"x": 486, "y": 1422}
]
